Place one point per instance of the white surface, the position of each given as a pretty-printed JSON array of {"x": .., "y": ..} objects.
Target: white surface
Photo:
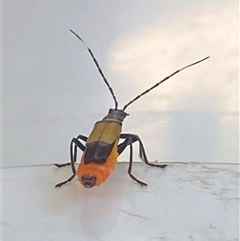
[
  {"x": 53, "y": 92},
  {"x": 183, "y": 202}
]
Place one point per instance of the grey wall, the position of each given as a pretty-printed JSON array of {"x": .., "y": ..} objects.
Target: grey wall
[{"x": 52, "y": 91}]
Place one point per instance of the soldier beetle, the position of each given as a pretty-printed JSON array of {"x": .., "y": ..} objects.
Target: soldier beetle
[{"x": 102, "y": 147}]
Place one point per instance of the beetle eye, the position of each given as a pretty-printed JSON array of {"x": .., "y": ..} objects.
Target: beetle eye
[{"x": 88, "y": 181}]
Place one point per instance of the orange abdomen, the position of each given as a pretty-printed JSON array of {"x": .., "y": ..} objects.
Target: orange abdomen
[{"x": 100, "y": 170}]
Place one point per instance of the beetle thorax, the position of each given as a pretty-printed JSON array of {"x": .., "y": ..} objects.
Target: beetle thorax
[{"x": 115, "y": 115}]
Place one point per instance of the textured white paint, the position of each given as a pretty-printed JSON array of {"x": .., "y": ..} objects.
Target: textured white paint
[{"x": 195, "y": 202}]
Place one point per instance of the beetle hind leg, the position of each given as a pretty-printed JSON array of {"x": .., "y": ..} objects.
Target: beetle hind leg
[
  {"x": 75, "y": 143},
  {"x": 62, "y": 165},
  {"x": 80, "y": 146},
  {"x": 68, "y": 180},
  {"x": 121, "y": 148},
  {"x": 142, "y": 152},
  {"x": 144, "y": 157},
  {"x": 129, "y": 140},
  {"x": 137, "y": 180}
]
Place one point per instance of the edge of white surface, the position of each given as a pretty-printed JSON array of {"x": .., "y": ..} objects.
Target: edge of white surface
[{"x": 185, "y": 201}]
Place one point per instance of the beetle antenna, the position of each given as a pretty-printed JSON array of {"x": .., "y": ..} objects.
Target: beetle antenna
[
  {"x": 160, "y": 82},
  {"x": 98, "y": 67}
]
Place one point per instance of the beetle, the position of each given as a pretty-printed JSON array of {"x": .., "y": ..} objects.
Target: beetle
[{"x": 102, "y": 147}]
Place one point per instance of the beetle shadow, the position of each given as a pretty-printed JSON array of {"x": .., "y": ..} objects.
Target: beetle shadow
[
  {"x": 94, "y": 212},
  {"x": 100, "y": 208}
]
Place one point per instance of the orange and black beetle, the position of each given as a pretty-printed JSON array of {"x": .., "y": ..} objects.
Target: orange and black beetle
[{"x": 102, "y": 146}]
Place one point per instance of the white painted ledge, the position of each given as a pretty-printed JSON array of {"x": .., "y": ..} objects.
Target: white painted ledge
[{"x": 197, "y": 202}]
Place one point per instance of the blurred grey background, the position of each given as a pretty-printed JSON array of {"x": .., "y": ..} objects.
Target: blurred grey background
[{"x": 52, "y": 91}]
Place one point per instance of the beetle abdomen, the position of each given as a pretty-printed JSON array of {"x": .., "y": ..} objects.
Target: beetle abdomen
[{"x": 96, "y": 173}]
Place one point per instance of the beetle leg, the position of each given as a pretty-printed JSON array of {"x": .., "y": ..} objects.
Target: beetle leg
[
  {"x": 123, "y": 145},
  {"x": 130, "y": 164},
  {"x": 144, "y": 157},
  {"x": 73, "y": 157},
  {"x": 68, "y": 180},
  {"x": 79, "y": 145},
  {"x": 142, "y": 152},
  {"x": 121, "y": 148}
]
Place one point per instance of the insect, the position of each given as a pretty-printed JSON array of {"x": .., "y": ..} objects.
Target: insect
[{"x": 102, "y": 147}]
